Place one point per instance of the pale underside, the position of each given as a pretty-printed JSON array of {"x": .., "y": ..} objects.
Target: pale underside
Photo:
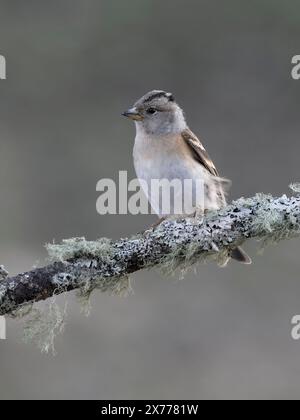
[{"x": 191, "y": 187}]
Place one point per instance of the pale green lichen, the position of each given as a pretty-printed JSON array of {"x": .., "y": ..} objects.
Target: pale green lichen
[
  {"x": 266, "y": 222},
  {"x": 275, "y": 220},
  {"x": 79, "y": 248},
  {"x": 87, "y": 254},
  {"x": 93, "y": 264},
  {"x": 295, "y": 186},
  {"x": 43, "y": 327},
  {"x": 184, "y": 258},
  {"x": 180, "y": 258},
  {"x": 3, "y": 273},
  {"x": 116, "y": 286},
  {"x": 269, "y": 220},
  {"x": 22, "y": 311}
]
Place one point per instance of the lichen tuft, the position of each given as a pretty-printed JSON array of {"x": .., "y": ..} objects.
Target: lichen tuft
[
  {"x": 43, "y": 327},
  {"x": 3, "y": 273},
  {"x": 79, "y": 248},
  {"x": 295, "y": 186}
]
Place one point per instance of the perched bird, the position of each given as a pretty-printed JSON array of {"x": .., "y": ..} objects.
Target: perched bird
[{"x": 166, "y": 149}]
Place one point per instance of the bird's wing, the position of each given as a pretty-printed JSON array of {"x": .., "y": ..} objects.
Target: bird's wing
[
  {"x": 198, "y": 151},
  {"x": 200, "y": 155}
]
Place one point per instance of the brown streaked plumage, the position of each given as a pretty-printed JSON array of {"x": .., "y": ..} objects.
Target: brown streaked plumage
[
  {"x": 199, "y": 152},
  {"x": 165, "y": 148}
]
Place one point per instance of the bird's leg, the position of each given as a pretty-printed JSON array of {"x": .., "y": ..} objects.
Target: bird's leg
[
  {"x": 197, "y": 214},
  {"x": 156, "y": 224},
  {"x": 153, "y": 226}
]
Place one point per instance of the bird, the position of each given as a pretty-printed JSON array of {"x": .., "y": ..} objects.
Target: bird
[{"x": 166, "y": 149}]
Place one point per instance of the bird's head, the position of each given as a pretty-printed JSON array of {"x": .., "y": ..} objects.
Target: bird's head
[{"x": 157, "y": 113}]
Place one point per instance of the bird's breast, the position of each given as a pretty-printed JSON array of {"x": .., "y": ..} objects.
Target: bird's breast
[
  {"x": 164, "y": 158},
  {"x": 169, "y": 159}
]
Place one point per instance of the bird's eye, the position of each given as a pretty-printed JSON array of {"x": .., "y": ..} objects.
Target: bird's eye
[{"x": 151, "y": 111}]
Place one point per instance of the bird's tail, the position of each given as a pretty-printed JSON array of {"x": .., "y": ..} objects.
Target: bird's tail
[{"x": 240, "y": 255}]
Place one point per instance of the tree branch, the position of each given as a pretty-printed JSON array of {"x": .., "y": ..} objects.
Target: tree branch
[{"x": 79, "y": 264}]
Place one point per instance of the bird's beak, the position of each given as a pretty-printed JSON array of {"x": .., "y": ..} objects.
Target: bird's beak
[{"x": 133, "y": 114}]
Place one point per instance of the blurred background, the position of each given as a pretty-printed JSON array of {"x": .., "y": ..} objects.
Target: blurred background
[{"x": 72, "y": 67}]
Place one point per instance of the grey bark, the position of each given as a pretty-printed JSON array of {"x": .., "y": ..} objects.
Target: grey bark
[{"x": 175, "y": 243}]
